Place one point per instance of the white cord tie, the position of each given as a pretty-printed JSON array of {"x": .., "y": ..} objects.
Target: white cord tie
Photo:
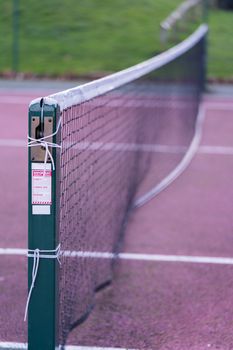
[
  {"x": 38, "y": 254},
  {"x": 42, "y": 142}
]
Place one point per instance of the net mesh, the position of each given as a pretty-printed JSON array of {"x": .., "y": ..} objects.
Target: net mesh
[{"x": 116, "y": 144}]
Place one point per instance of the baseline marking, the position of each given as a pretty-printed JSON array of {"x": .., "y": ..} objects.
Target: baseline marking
[{"x": 131, "y": 256}]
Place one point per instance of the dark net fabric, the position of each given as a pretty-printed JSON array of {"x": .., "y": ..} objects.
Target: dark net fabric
[{"x": 114, "y": 148}]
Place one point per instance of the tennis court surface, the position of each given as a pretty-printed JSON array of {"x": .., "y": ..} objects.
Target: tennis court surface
[{"x": 172, "y": 283}]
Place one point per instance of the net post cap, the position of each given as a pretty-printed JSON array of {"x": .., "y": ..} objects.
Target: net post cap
[{"x": 46, "y": 101}]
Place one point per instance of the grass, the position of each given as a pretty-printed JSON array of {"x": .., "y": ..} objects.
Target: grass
[
  {"x": 220, "y": 63},
  {"x": 81, "y": 37},
  {"x": 70, "y": 37}
]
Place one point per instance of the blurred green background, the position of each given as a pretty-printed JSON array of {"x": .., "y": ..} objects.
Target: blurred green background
[{"x": 82, "y": 38}]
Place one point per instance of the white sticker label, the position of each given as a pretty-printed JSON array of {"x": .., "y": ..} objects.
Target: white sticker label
[{"x": 41, "y": 184}]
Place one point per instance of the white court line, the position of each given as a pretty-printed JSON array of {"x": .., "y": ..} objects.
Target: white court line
[
  {"x": 13, "y": 251},
  {"x": 8, "y": 345},
  {"x": 73, "y": 347},
  {"x": 215, "y": 150},
  {"x": 13, "y": 143},
  {"x": 153, "y": 257},
  {"x": 228, "y": 106},
  {"x": 167, "y": 149},
  {"x": 127, "y": 147},
  {"x": 19, "y": 346},
  {"x": 177, "y": 258},
  {"x": 132, "y": 256}
]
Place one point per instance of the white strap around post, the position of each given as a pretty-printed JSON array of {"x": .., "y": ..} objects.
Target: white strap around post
[{"x": 38, "y": 254}]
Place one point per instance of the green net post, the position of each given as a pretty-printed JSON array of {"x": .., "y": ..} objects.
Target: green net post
[{"x": 42, "y": 225}]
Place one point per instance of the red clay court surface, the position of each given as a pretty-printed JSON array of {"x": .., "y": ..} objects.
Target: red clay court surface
[{"x": 166, "y": 298}]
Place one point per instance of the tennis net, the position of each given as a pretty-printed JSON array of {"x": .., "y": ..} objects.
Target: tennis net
[{"x": 120, "y": 136}]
